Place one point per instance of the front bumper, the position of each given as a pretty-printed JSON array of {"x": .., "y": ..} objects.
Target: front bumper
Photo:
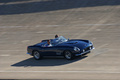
[
  {"x": 78, "y": 54},
  {"x": 29, "y": 53}
]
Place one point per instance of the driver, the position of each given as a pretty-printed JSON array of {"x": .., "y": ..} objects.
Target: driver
[{"x": 48, "y": 44}]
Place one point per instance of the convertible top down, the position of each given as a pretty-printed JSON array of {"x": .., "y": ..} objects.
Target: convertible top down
[{"x": 60, "y": 47}]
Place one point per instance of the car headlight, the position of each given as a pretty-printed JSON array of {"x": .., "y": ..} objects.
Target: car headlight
[{"x": 76, "y": 49}]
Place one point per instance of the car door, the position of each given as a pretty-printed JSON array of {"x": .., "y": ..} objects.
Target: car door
[{"x": 49, "y": 51}]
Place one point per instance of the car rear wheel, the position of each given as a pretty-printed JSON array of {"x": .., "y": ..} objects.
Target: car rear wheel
[
  {"x": 68, "y": 55},
  {"x": 37, "y": 55}
]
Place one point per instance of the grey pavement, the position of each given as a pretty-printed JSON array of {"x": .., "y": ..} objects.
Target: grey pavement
[{"x": 27, "y": 22}]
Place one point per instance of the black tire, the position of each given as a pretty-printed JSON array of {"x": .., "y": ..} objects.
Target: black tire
[
  {"x": 37, "y": 55},
  {"x": 68, "y": 55}
]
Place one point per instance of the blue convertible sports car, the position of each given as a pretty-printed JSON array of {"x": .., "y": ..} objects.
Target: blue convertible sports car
[{"x": 60, "y": 47}]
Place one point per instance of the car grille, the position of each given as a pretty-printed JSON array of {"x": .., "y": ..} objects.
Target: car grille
[{"x": 87, "y": 49}]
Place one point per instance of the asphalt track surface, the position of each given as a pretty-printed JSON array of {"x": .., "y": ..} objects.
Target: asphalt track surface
[{"x": 26, "y": 22}]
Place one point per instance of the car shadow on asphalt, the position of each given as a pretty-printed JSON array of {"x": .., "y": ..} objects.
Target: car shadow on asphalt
[{"x": 47, "y": 61}]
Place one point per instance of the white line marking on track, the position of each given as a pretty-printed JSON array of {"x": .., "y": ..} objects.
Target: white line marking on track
[
  {"x": 61, "y": 25},
  {"x": 12, "y": 26},
  {"x": 101, "y": 24},
  {"x": 98, "y": 29},
  {"x": 79, "y": 25},
  {"x": 12, "y": 50},
  {"x": 40, "y": 32},
  {"x": 5, "y": 55},
  {"x": 115, "y": 72},
  {"x": 24, "y": 41}
]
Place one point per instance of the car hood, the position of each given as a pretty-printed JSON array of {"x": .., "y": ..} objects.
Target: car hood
[{"x": 75, "y": 43}]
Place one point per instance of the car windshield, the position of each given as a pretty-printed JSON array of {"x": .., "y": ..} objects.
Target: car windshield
[{"x": 58, "y": 40}]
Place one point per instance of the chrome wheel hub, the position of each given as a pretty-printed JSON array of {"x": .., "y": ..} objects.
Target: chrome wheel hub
[
  {"x": 36, "y": 55},
  {"x": 68, "y": 55}
]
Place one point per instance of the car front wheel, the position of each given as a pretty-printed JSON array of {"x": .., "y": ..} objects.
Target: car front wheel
[
  {"x": 68, "y": 55},
  {"x": 37, "y": 55}
]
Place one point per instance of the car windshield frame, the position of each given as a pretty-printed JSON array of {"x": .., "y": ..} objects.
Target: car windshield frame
[{"x": 58, "y": 40}]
